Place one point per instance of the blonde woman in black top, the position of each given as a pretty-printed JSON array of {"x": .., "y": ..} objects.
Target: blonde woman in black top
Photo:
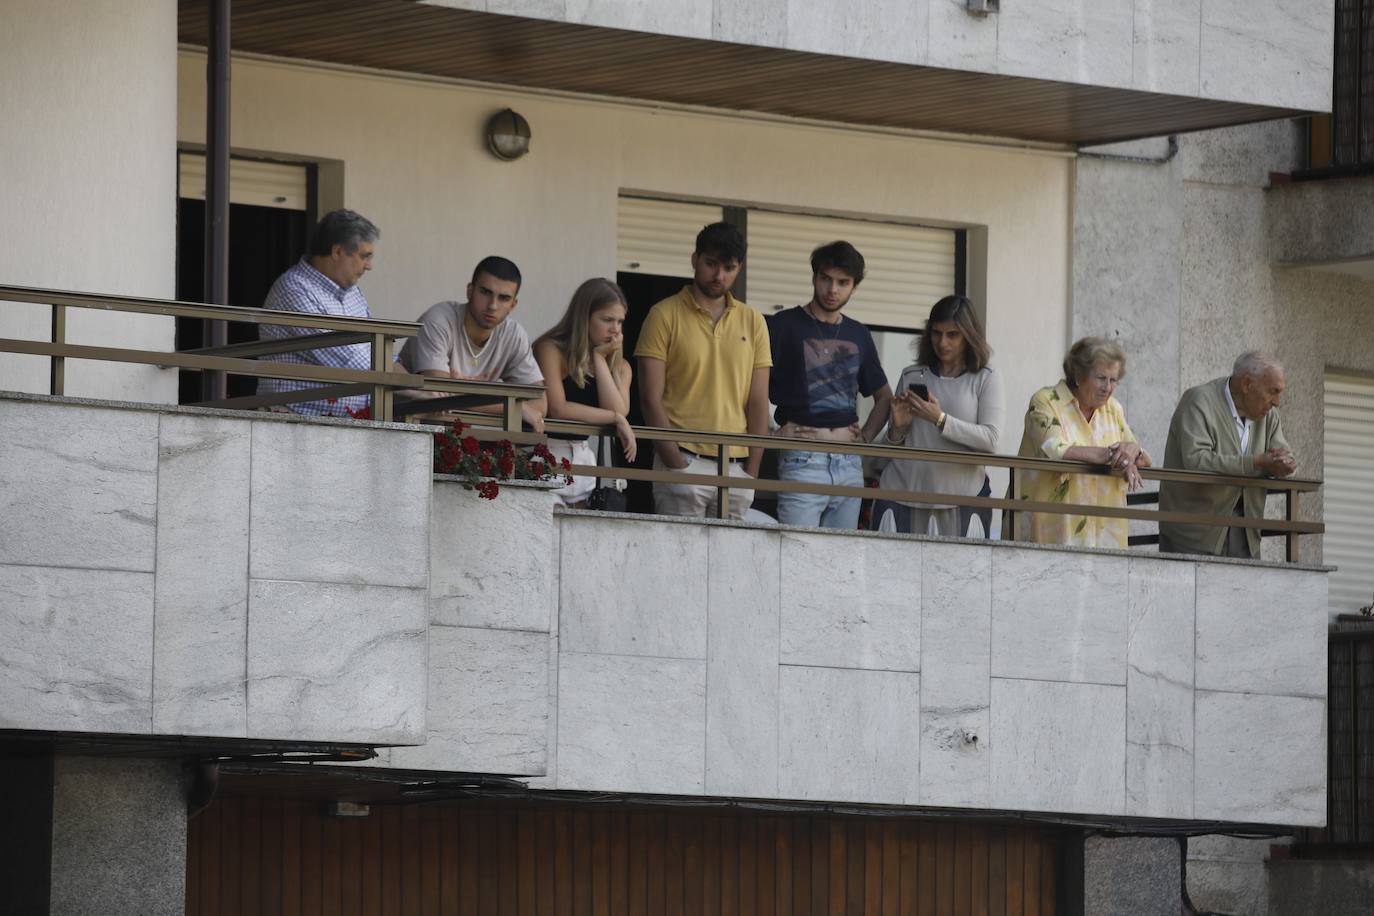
[{"x": 587, "y": 377}]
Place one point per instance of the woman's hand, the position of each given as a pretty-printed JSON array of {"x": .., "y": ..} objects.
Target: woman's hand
[
  {"x": 532, "y": 416},
  {"x": 901, "y": 419},
  {"x": 928, "y": 410},
  {"x": 1132, "y": 475},
  {"x": 611, "y": 346},
  {"x": 627, "y": 437},
  {"x": 1122, "y": 454},
  {"x": 1125, "y": 459}
]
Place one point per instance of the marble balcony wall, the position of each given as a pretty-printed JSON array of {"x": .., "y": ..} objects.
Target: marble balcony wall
[
  {"x": 205, "y": 573},
  {"x": 492, "y": 633},
  {"x": 691, "y": 658},
  {"x": 179, "y": 572}
]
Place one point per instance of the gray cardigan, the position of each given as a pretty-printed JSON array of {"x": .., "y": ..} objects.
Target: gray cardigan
[
  {"x": 1203, "y": 437},
  {"x": 974, "y": 412}
]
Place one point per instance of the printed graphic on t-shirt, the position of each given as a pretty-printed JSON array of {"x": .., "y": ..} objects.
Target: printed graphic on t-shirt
[{"x": 832, "y": 374}]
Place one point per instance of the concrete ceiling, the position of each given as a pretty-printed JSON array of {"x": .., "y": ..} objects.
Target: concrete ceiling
[{"x": 401, "y": 35}]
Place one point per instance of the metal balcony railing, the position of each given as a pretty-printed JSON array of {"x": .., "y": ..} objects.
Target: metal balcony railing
[
  {"x": 454, "y": 395},
  {"x": 241, "y": 359}
]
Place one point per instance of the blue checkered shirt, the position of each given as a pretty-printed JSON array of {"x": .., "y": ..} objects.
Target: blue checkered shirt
[{"x": 304, "y": 289}]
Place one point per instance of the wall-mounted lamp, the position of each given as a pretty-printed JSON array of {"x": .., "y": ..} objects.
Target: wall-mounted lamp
[
  {"x": 508, "y": 135},
  {"x": 982, "y": 7}
]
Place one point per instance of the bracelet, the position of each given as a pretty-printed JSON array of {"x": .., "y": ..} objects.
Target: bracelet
[
  {"x": 892, "y": 441},
  {"x": 940, "y": 423}
]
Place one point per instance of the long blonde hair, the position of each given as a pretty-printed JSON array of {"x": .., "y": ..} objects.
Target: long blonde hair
[{"x": 570, "y": 334}]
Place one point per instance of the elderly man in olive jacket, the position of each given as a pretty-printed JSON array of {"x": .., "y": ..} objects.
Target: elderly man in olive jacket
[{"x": 1226, "y": 426}]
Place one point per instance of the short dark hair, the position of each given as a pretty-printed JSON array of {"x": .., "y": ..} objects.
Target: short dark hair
[
  {"x": 500, "y": 268},
  {"x": 840, "y": 255},
  {"x": 721, "y": 240},
  {"x": 342, "y": 227}
]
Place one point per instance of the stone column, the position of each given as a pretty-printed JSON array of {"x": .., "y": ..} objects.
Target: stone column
[
  {"x": 26, "y": 841},
  {"x": 1131, "y": 876},
  {"x": 118, "y": 836}
]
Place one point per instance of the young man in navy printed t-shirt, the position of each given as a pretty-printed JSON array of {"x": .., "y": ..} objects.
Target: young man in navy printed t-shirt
[{"x": 822, "y": 362}]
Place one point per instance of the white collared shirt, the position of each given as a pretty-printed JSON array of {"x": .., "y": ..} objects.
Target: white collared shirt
[{"x": 1242, "y": 424}]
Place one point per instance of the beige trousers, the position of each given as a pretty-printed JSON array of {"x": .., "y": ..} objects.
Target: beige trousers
[{"x": 697, "y": 501}]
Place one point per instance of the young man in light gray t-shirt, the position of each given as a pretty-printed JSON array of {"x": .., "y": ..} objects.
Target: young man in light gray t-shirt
[{"x": 475, "y": 340}]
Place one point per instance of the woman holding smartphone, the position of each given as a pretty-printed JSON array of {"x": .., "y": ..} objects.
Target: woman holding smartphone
[{"x": 951, "y": 399}]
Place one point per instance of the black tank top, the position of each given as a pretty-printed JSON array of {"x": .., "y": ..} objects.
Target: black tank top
[{"x": 574, "y": 395}]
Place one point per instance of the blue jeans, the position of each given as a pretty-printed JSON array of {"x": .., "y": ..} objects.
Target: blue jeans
[{"x": 815, "y": 509}]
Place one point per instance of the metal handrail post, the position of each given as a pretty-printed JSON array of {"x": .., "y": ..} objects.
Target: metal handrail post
[
  {"x": 1009, "y": 516},
  {"x": 381, "y": 362},
  {"x": 1291, "y": 514},
  {"x": 722, "y": 470},
  {"x": 57, "y": 365}
]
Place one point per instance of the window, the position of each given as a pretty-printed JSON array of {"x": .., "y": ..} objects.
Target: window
[
  {"x": 1348, "y": 495},
  {"x": 1343, "y": 142},
  {"x": 908, "y": 267}
]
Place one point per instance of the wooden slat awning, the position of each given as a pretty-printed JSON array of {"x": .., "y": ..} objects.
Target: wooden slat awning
[{"x": 402, "y": 35}]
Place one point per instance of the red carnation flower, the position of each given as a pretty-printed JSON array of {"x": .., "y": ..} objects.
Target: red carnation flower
[
  {"x": 488, "y": 489},
  {"x": 471, "y": 446}
]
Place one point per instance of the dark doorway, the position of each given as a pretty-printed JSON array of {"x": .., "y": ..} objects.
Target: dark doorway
[
  {"x": 263, "y": 242},
  {"x": 642, "y": 291}
]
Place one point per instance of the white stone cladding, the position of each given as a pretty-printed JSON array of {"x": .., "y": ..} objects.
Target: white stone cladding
[
  {"x": 635, "y": 655},
  {"x": 181, "y": 572}
]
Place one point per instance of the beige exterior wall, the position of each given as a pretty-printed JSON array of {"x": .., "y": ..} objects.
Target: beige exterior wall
[
  {"x": 414, "y": 161},
  {"x": 88, "y": 104}
]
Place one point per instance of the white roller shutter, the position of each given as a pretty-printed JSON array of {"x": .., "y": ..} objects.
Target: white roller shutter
[
  {"x": 908, "y": 267},
  {"x": 251, "y": 181},
  {"x": 1348, "y": 495},
  {"x": 657, "y": 236}
]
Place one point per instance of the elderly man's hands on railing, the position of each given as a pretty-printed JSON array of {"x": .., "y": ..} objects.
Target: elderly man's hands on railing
[{"x": 1277, "y": 462}]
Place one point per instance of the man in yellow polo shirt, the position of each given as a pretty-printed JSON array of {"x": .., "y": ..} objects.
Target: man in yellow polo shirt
[{"x": 703, "y": 364}]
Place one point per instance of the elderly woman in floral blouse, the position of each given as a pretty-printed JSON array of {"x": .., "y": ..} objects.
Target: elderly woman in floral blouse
[{"x": 1080, "y": 420}]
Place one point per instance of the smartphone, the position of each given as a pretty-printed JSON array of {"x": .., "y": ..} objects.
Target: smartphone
[{"x": 919, "y": 390}]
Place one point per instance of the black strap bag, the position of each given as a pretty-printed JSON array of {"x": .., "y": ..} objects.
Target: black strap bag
[{"x": 605, "y": 498}]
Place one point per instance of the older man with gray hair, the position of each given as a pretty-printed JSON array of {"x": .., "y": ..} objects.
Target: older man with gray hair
[
  {"x": 325, "y": 282},
  {"x": 1227, "y": 426}
]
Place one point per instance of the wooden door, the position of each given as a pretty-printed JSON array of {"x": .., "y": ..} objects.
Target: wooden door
[{"x": 275, "y": 856}]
